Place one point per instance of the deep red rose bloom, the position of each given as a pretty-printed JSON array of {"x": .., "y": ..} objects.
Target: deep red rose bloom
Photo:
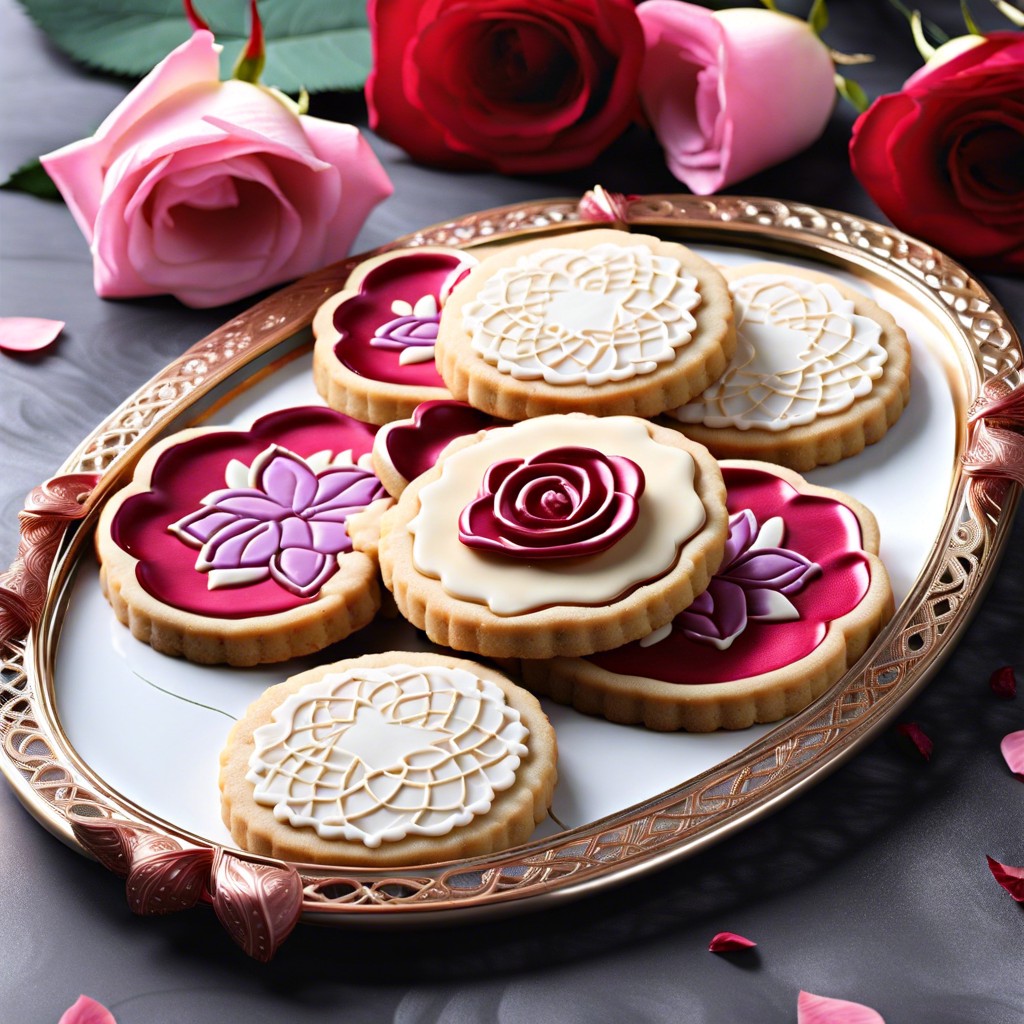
[
  {"x": 517, "y": 85},
  {"x": 944, "y": 158}
]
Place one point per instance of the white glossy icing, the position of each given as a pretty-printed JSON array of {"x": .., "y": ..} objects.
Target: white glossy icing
[
  {"x": 372, "y": 755},
  {"x": 584, "y": 316},
  {"x": 670, "y": 512},
  {"x": 802, "y": 352}
]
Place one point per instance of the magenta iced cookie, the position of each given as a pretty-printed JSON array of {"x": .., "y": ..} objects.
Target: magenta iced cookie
[
  {"x": 799, "y": 596},
  {"x": 238, "y": 546},
  {"x": 374, "y": 353}
]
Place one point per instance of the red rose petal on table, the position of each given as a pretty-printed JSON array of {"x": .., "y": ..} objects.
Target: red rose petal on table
[
  {"x": 1003, "y": 682},
  {"x": 918, "y": 737},
  {"x": 812, "y": 1009},
  {"x": 1012, "y": 746},
  {"x": 86, "y": 1011},
  {"x": 28, "y": 333},
  {"x": 1009, "y": 877},
  {"x": 729, "y": 942}
]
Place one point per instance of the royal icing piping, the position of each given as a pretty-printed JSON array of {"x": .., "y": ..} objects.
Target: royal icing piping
[
  {"x": 802, "y": 352},
  {"x": 282, "y": 518},
  {"x": 373, "y": 755},
  {"x": 563, "y": 503},
  {"x": 584, "y": 316},
  {"x": 669, "y": 513}
]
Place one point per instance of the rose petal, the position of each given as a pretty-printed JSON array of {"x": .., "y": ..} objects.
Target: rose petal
[
  {"x": 812, "y": 1009},
  {"x": 28, "y": 333},
  {"x": 1009, "y": 877},
  {"x": 729, "y": 942},
  {"x": 1003, "y": 682},
  {"x": 918, "y": 737},
  {"x": 1012, "y": 747},
  {"x": 86, "y": 1011}
]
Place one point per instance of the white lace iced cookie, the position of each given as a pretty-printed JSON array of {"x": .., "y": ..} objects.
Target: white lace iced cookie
[
  {"x": 558, "y": 534},
  {"x": 599, "y": 321},
  {"x": 820, "y": 371},
  {"x": 388, "y": 759}
]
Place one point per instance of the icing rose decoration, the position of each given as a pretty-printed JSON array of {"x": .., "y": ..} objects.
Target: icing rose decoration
[
  {"x": 210, "y": 191},
  {"x": 729, "y": 93},
  {"x": 756, "y": 576},
  {"x": 561, "y": 503},
  {"x": 288, "y": 524}
]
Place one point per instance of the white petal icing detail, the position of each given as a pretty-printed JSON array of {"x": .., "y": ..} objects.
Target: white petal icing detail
[
  {"x": 372, "y": 755},
  {"x": 802, "y": 352},
  {"x": 780, "y": 608},
  {"x": 236, "y": 476},
  {"x": 657, "y": 636},
  {"x": 426, "y": 306},
  {"x": 770, "y": 535},
  {"x": 584, "y": 316},
  {"x": 416, "y": 354},
  {"x": 216, "y": 579},
  {"x": 670, "y": 512}
]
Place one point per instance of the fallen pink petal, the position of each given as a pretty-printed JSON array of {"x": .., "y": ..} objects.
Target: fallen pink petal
[
  {"x": 812, "y": 1009},
  {"x": 1009, "y": 877},
  {"x": 28, "y": 333},
  {"x": 1012, "y": 746},
  {"x": 1003, "y": 682},
  {"x": 729, "y": 942},
  {"x": 918, "y": 737},
  {"x": 86, "y": 1011}
]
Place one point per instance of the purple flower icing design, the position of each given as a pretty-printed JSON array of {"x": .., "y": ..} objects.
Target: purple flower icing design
[
  {"x": 561, "y": 503},
  {"x": 413, "y": 330},
  {"x": 282, "y": 518},
  {"x": 756, "y": 576}
]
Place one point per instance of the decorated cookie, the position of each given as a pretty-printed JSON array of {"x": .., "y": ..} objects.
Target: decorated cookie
[
  {"x": 599, "y": 321},
  {"x": 558, "y": 535},
  {"x": 820, "y": 371},
  {"x": 799, "y": 596},
  {"x": 374, "y": 353},
  {"x": 386, "y": 760},
  {"x": 404, "y": 449},
  {"x": 237, "y": 546}
]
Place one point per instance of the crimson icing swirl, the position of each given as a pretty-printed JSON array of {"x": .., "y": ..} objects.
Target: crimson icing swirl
[{"x": 561, "y": 503}]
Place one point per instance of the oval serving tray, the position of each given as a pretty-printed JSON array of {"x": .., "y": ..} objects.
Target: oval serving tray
[{"x": 972, "y": 349}]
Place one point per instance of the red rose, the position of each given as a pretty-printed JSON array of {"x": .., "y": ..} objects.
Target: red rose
[
  {"x": 944, "y": 158},
  {"x": 517, "y": 85}
]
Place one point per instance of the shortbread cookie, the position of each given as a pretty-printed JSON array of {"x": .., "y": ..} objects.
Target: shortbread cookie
[
  {"x": 820, "y": 371},
  {"x": 374, "y": 352},
  {"x": 404, "y": 449},
  {"x": 798, "y": 598},
  {"x": 386, "y": 760},
  {"x": 237, "y": 546},
  {"x": 599, "y": 321},
  {"x": 558, "y": 535}
]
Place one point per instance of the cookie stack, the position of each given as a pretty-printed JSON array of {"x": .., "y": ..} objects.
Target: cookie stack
[{"x": 545, "y": 492}]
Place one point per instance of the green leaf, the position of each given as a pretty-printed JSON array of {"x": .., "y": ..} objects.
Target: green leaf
[
  {"x": 31, "y": 178},
  {"x": 924, "y": 48},
  {"x": 818, "y": 18},
  {"x": 969, "y": 23},
  {"x": 310, "y": 44},
  {"x": 771, "y": 5},
  {"x": 852, "y": 93},
  {"x": 933, "y": 30}
]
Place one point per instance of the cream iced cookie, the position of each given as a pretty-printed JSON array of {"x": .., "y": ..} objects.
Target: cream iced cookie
[
  {"x": 238, "y": 546},
  {"x": 374, "y": 352},
  {"x": 598, "y": 321},
  {"x": 820, "y": 371},
  {"x": 558, "y": 535},
  {"x": 386, "y": 760},
  {"x": 799, "y": 596}
]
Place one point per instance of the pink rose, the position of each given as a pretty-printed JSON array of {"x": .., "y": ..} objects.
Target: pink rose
[
  {"x": 517, "y": 85},
  {"x": 211, "y": 190},
  {"x": 944, "y": 158},
  {"x": 729, "y": 93}
]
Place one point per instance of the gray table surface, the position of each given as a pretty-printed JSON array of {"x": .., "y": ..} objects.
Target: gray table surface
[{"x": 871, "y": 887}]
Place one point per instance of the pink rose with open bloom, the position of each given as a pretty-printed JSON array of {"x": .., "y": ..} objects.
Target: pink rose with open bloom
[
  {"x": 944, "y": 158},
  {"x": 211, "y": 190},
  {"x": 517, "y": 85},
  {"x": 729, "y": 93}
]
